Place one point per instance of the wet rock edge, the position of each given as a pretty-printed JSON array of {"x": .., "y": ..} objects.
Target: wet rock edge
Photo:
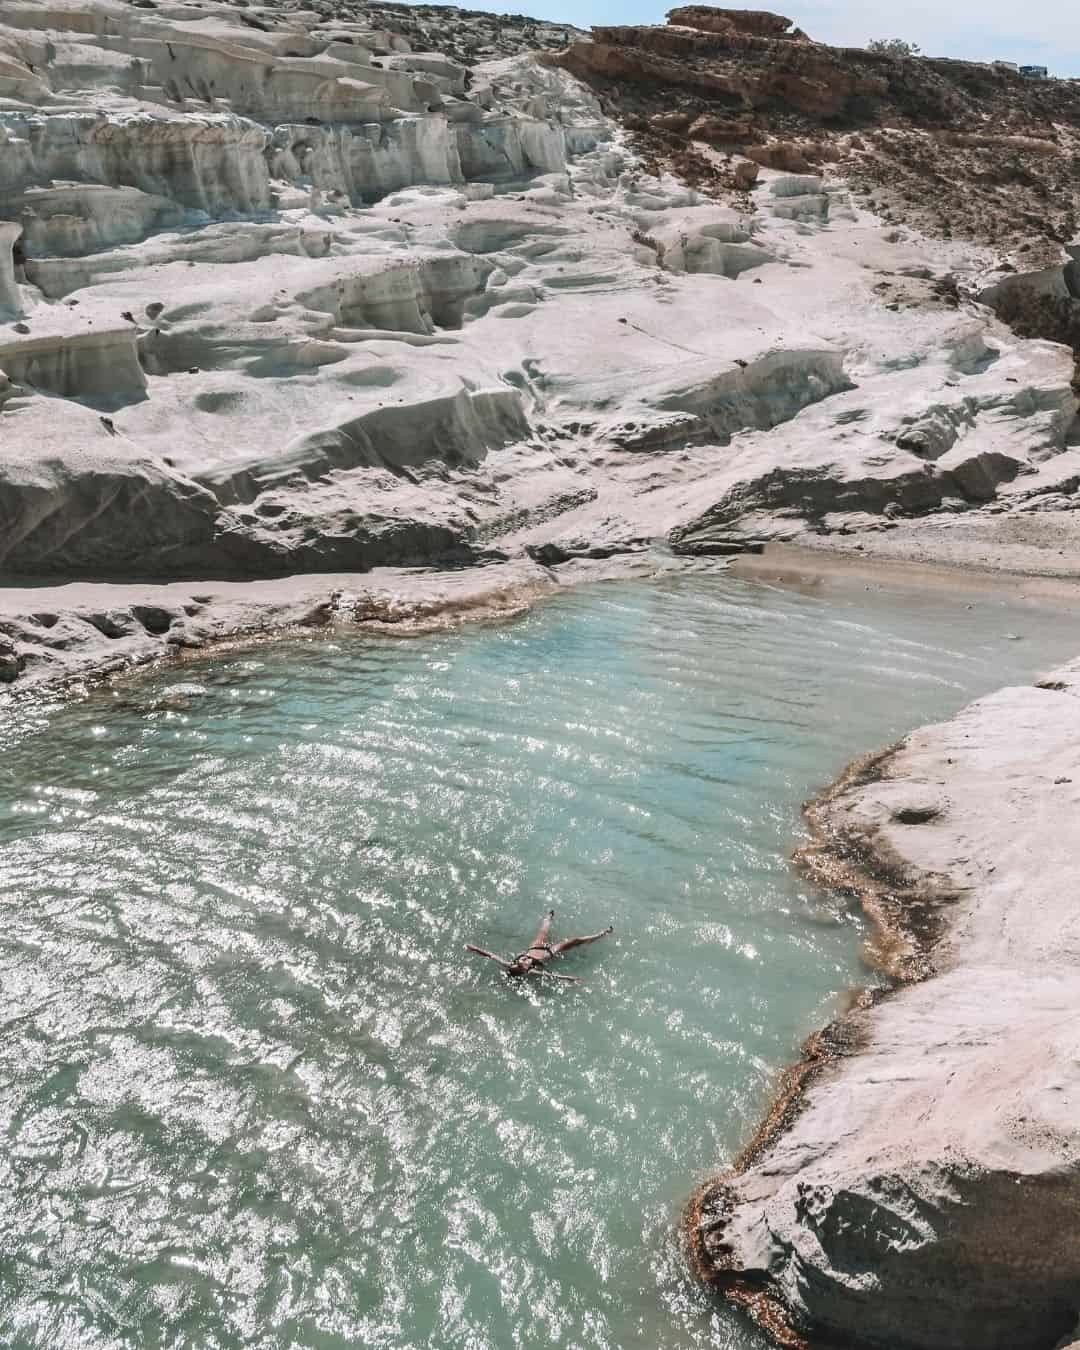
[{"x": 908, "y": 916}]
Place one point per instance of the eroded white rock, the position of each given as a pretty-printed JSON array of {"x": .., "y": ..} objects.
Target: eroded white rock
[{"x": 355, "y": 306}]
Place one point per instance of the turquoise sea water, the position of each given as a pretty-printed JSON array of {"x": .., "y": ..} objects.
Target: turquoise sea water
[{"x": 252, "y": 1090}]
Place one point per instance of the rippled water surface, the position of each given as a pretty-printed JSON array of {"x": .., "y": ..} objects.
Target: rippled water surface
[{"x": 252, "y": 1090}]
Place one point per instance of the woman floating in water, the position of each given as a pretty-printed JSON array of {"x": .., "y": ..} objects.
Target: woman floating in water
[{"x": 533, "y": 959}]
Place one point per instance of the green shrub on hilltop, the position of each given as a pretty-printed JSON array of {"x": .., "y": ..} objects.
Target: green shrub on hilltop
[{"x": 894, "y": 47}]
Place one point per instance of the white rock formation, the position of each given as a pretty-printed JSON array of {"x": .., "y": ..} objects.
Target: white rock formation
[
  {"x": 302, "y": 298},
  {"x": 927, "y": 1193},
  {"x": 280, "y": 295},
  {"x": 10, "y": 297}
]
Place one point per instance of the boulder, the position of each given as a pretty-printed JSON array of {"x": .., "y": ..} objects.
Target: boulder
[
  {"x": 787, "y": 156},
  {"x": 754, "y": 22},
  {"x": 670, "y": 121},
  {"x": 745, "y": 171},
  {"x": 552, "y": 552},
  {"x": 977, "y": 476},
  {"x": 721, "y": 130},
  {"x": 12, "y": 661}
]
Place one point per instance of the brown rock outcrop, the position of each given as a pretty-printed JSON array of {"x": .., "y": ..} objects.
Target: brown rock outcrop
[
  {"x": 745, "y": 172},
  {"x": 728, "y": 61},
  {"x": 673, "y": 121},
  {"x": 721, "y": 130},
  {"x": 933, "y": 142},
  {"x": 758, "y": 22},
  {"x": 791, "y": 156}
]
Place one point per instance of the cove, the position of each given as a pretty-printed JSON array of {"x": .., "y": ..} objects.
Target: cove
[{"x": 252, "y": 1090}]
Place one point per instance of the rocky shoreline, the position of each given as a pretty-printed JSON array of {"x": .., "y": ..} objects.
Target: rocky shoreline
[
  {"x": 78, "y": 633},
  {"x": 898, "y": 834},
  {"x": 389, "y": 317},
  {"x": 67, "y": 637},
  {"x": 839, "y": 1224}
]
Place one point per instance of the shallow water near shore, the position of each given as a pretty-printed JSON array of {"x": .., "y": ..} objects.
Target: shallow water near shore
[{"x": 254, "y": 1093}]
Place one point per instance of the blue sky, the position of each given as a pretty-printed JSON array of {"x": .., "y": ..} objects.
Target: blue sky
[{"x": 1036, "y": 32}]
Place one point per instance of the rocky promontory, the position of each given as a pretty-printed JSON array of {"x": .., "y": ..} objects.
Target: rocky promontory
[{"x": 919, "y": 1185}]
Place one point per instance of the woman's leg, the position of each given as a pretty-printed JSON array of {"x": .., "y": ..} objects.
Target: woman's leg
[
  {"x": 540, "y": 940},
  {"x": 567, "y": 943}
]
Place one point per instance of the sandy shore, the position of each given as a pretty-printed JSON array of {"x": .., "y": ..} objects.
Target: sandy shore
[
  {"x": 917, "y": 1182},
  {"x": 824, "y": 566},
  {"x": 1040, "y": 542}
]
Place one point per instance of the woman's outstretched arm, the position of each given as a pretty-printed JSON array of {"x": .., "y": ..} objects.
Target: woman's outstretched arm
[{"x": 490, "y": 955}]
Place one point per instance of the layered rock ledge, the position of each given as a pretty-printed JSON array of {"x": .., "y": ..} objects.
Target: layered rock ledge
[
  {"x": 289, "y": 290},
  {"x": 917, "y": 1185}
]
